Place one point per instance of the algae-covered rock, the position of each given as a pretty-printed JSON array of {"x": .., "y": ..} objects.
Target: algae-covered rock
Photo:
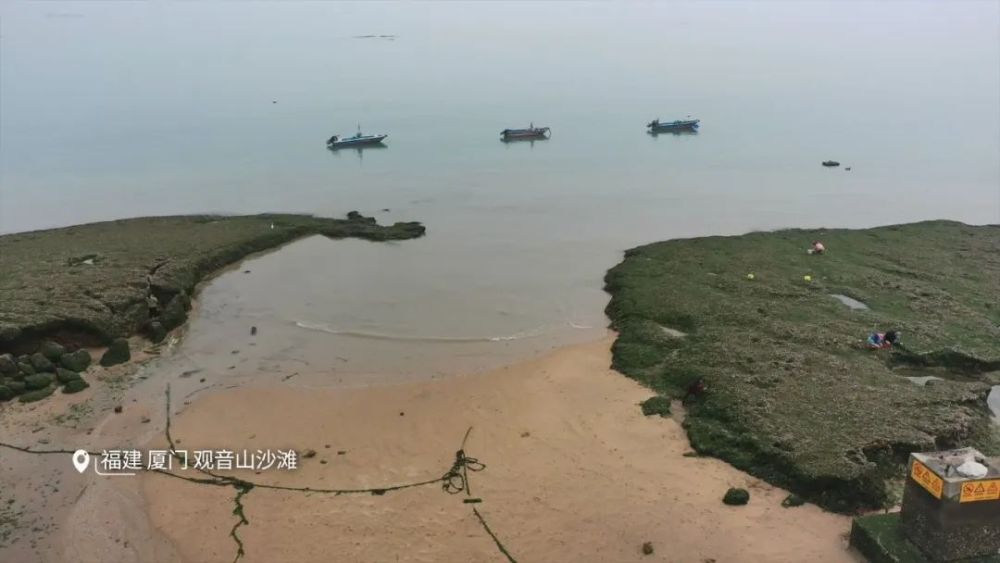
[
  {"x": 793, "y": 500},
  {"x": 24, "y": 368},
  {"x": 17, "y": 387},
  {"x": 7, "y": 365},
  {"x": 792, "y": 395},
  {"x": 156, "y": 331},
  {"x": 38, "y": 380},
  {"x": 175, "y": 313},
  {"x": 52, "y": 350},
  {"x": 41, "y": 363},
  {"x": 75, "y": 386},
  {"x": 6, "y": 393},
  {"x": 117, "y": 353},
  {"x": 64, "y": 376},
  {"x": 36, "y": 395},
  {"x": 656, "y": 405},
  {"x": 76, "y": 361},
  {"x": 736, "y": 497}
]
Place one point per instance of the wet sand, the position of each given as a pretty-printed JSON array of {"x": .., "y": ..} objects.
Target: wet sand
[{"x": 574, "y": 473}]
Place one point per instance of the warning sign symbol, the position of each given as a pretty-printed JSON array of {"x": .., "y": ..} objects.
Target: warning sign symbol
[
  {"x": 980, "y": 490},
  {"x": 927, "y": 479}
]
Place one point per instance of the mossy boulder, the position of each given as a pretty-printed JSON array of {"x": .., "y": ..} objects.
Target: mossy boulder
[
  {"x": 6, "y": 393},
  {"x": 175, "y": 313},
  {"x": 16, "y": 387},
  {"x": 52, "y": 350},
  {"x": 117, "y": 353},
  {"x": 41, "y": 363},
  {"x": 24, "y": 368},
  {"x": 75, "y": 386},
  {"x": 656, "y": 405},
  {"x": 38, "y": 381},
  {"x": 76, "y": 361},
  {"x": 36, "y": 395},
  {"x": 793, "y": 500},
  {"x": 156, "y": 331},
  {"x": 64, "y": 376},
  {"x": 7, "y": 365},
  {"x": 736, "y": 497}
]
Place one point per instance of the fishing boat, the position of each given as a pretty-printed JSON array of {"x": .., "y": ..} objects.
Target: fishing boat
[
  {"x": 830, "y": 163},
  {"x": 658, "y": 126},
  {"x": 356, "y": 140},
  {"x": 531, "y": 132}
]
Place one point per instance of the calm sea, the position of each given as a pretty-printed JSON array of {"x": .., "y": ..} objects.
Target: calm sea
[{"x": 118, "y": 109}]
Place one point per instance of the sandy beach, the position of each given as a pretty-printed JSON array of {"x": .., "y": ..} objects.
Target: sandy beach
[{"x": 574, "y": 473}]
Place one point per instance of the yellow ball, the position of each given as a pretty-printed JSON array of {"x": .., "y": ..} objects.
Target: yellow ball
[
  {"x": 750, "y": 276},
  {"x": 807, "y": 278}
]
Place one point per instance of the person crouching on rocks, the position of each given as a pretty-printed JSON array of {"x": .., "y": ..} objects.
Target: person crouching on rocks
[
  {"x": 879, "y": 341},
  {"x": 694, "y": 391}
]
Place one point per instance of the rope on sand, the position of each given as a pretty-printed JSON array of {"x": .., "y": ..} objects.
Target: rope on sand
[{"x": 454, "y": 481}]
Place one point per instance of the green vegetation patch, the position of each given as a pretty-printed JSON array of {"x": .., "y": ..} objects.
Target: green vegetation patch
[{"x": 792, "y": 395}]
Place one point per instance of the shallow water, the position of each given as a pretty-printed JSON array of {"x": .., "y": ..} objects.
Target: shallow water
[
  {"x": 168, "y": 115},
  {"x": 850, "y": 302}
]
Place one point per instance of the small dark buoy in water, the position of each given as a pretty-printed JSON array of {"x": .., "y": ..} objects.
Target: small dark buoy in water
[
  {"x": 848, "y": 169},
  {"x": 253, "y": 331},
  {"x": 830, "y": 163},
  {"x": 274, "y": 101}
]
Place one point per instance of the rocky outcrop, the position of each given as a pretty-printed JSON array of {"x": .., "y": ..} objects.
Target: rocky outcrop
[
  {"x": 791, "y": 393},
  {"x": 97, "y": 281}
]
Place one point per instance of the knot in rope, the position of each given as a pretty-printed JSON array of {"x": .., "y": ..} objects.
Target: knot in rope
[{"x": 456, "y": 479}]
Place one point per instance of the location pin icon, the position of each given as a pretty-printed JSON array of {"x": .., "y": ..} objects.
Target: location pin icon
[{"x": 81, "y": 459}]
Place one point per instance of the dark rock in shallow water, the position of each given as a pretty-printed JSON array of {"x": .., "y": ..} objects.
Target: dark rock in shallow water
[
  {"x": 41, "y": 363},
  {"x": 156, "y": 331},
  {"x": 38, "y": 381},
  {"x": 736, "y": 497},
  {"x": 76, "y": 361},
  {"x": 117, "y": 353},
  {"x": 65, "y": 376},
  {"x": 36, "y": 395},
  {"x": 52, "y": 350},
  {"x": 7, "y": 365},
  {"x": 75, "y": 386},
  {"x": 175, "y": 313}
]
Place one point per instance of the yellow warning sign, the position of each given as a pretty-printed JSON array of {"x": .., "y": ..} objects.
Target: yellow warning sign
[
  {"x": 927, "y": 479},
  {"x": 980, "y": 490}
]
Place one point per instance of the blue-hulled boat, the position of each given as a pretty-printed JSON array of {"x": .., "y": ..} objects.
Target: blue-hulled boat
[
  {"x": 531, "y": 132},
  {"x": 657, "y": 126},
  {"x": 356, "y": 140}
]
